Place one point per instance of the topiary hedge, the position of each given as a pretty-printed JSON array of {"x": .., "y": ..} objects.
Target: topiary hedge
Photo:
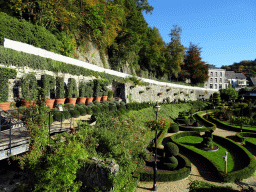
[
  {"x": 5, "y": 75},
  {"x": 74, "y": 113},
  {"x": 182, "y": 171},
  {"x": 250, "y": 162},
  {"x": 59, "y": 116},
  {"x": 209, "y": 125},
  {"x": 241, "y": 138}
]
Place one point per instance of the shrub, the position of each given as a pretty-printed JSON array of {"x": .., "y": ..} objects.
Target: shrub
[
  {"x": 90, "y": 104},
  {"x": 171, "y": 148},
  {"x": 59, "y": 116},
  {"x": 174, "y": 128},
  {"x": 74, "y": 113},
  {"x": 95, "y": 109},
  {"x": 110, "y": 94},
  {"x": 81, "y": 110},
  {"x": 81, "y": 104},
  {"x": 88, "y": 110},
  {"x": 67, "y": 114},
  {"x": 105, "y": 102},
  {"x": 96, "y": 102},
  {"x": 69, "y": 106},
  {"x": 71, "y": 89}
]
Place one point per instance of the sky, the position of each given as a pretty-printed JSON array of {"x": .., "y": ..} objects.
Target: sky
[{"x": 224, "y": 29}]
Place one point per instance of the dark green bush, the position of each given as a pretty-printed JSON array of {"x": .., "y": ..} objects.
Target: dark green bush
[
  {"x": 96, "y": 102},
  {"x": 88, "y": 110},
  {"x": 174, "y": 128},
  {"x": 81, "y": 110},
  {"x": 69, "y": 106},
  {"x": 95, "y": 109},
  {"x": 67, "y": 114},
  {"x": 74, "y": 113},
  {"x": 112, "y": 107},
  {"x": 171, "y": 148},
  {"x": 58, "y": 116}
]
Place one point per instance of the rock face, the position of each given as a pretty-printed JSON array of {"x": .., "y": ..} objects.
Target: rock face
[{"x": 95, "y": 174}]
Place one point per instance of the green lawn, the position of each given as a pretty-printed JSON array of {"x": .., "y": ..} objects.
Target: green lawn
[
  {"x": 251, "y": 139},
  {"x": 233, "y": 161}
]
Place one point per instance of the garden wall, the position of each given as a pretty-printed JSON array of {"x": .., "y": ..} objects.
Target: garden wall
[{"x": 156, "y": 92}]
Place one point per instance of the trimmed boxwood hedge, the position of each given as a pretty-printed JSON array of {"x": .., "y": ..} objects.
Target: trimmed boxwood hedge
[
  {"x": 75, "y": 113},
  {"x": 231, "y": 127},
  {"x": 183, "y": 171},
  {"x": 241, "y": 138},
  {"x": 205, "y": 122},
  {"x": 59, "y": 116},
  {"x": 248, "y": 158}
]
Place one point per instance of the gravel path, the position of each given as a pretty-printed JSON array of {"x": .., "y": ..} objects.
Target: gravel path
[{"x": 198, "y": 172}]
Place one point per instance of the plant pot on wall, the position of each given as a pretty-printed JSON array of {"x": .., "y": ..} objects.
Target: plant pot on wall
[
  {"x": 5, "y": 106},
  {"x": 89, "y": 100},
  {"x": 59, "y": 101},
  {"x": 27, "y": 103},
  {"x": 81, "y": 99},
  {"x": 96, "y": 98},
  {"x": 104, "y": 98},
  {"x": 72, "y": 100},
  {"x": 50, "y": 102}
]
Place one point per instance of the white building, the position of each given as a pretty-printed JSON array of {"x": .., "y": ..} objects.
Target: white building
[
  {"x": 237, "y": 80},
  {"x": 217, "y": 79}
]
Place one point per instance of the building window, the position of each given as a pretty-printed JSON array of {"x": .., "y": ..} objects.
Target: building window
[
  {"x": 211, "y": 80},
  {"x": 216, "y": 74},
  {"x": 220, "y": 86},
  {"x": 215, "y": 86},
  {"x": 211, "y": 74},
  {"x": 220, "y": 80},
  {"x": 211, "y": 86},
  {"x": 205, "y": 84},
  {"x": 221, "y": 74},
  {"x": 216, "y": 80}
]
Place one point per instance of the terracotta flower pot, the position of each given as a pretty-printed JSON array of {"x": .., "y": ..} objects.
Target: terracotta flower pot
[
  {"x": 59, "y": 101},
  {"x": 27, "y": 103},
  {"x": 50, "y": 102},
  {"x": 104, "y": 98},
  {"x": 5, "y": 106},
  {"x": 89, "y": 100},
  {"x": 81, "y": 99},
  {"x": 96, "y": 99},
  {"x": 72, "y": 100}
]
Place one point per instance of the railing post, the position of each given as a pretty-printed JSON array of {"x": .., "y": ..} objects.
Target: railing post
[
  {"x": 49, "y": 123},
  {"x": 61, "y": 120},
  {"x": 10, "y": 139},
  {"x": 0, "y": 120}
]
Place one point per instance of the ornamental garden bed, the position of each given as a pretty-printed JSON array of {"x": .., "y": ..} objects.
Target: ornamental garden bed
[{"x": 238, "y": 168}]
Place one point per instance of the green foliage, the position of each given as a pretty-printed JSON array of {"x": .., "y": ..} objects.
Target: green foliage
[
  {"x": 26, "y": 32},
  {"x": 89, "y": 89},
  {"x": 216, "y": 99},
  {"x": 228, "y": 94},
  {"x": 5, "y": 75},
  {"x": 60, "y": 88},
  {"x": 197, "y": 69},
  {"x": 71, "y": 88},
  {"x": 110, "y": 94},
  {"x": 74, "y": 113},
  {"x": 48, "y": 84},
  {"x": 29, "y": 87},
  {"x": 171, "y": 149},
  {"x": 67, "y": 114},
  {"x": 82, "y": 89},
  {"x": 159, "y": 124},
  {"x": 81, "y": 110},
  {"x": 174, "y": 128},
  {"x": 59, "y": 116}
]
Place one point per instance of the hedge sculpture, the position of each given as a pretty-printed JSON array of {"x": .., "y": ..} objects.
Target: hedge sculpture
[{"x": 171, "y": 150}]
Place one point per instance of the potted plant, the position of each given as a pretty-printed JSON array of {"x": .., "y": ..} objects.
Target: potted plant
[
  {"x": 168, "y": 89},
  {"x": 140, "y": 92},
  {"x": 175, "y": 93},
  {"x": 82, "y": 89},
  {"x": 71, "y": 93},
  {"x": 89, "y": 92},
  {"x": 110, "y": 94},
  {"x": 97, "y": 90},
  {"x": 160, "y": 94},
  {"x": 5, "y": 75},
  {"x": 48, "y": 85},
  {"x": 147, "y": 88},
  {"x": 29, "y": 90},
  {"x": 104, "y": 84},
  {"x": 60, "y": 96}
]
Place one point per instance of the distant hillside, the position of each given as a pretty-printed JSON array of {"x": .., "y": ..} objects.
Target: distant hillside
[{"x": 247, "y": 67}]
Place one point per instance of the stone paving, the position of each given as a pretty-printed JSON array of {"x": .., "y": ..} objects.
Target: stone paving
[{"x": 198, "y": 172}]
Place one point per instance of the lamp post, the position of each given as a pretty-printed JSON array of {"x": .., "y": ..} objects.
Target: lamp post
[{"x": 156, "y": 109}]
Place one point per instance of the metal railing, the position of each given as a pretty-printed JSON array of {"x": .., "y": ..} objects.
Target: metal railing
[{"x": 12, "y": 121}]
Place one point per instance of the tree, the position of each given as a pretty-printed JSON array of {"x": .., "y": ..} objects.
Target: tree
[
  {"x": 197, "y": 69},
  {"x": 228, "y": 94},
  {"x": 176, "y": 51}
]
